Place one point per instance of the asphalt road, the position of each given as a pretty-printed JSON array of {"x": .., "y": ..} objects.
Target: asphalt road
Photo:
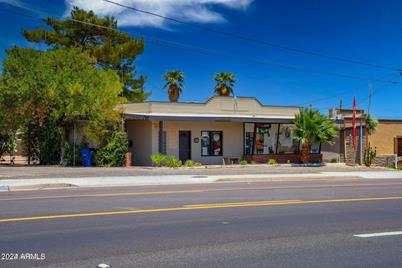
[{"x": 270, "y": 224}]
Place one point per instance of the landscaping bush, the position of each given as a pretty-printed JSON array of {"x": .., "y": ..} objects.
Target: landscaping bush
[
  {"x": 197, "y": 164},
  {"x": 173, "y": 162},
  {"x": 253, "y": 163},
  {"x": 272, "y": 162},
  {"x": 334, "y": 160},
  {"x": 7, "y": 143},
  {"x": 158, "y": 159},
  {"x": 114, "y": 153},
  {"x": 71, "y": 157},
  {"x": 243, "y": 162},
  {"x": 189, "y": 163}
]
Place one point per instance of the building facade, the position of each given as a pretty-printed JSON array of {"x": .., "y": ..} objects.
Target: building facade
[
  {"x": 343, "y": 150},
  {"x": 387, "y": 140},
  {"x": 220, "y": 130}
]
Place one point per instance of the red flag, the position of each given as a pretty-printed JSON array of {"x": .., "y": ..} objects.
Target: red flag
[{"x": 354, "y": 123}]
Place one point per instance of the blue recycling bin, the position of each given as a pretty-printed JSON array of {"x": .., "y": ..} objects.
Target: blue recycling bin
[{"x": 86, "y": 154}]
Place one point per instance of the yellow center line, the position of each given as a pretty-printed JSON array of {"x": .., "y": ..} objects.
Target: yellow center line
[
  {"x": 202, "y": 207},
  {"x": 202, "y": 191},
  {"x": 241, "y": 203}
]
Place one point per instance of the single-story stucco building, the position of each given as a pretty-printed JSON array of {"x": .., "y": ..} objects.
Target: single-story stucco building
[
  {"x": 219, "y": 129},
  {"x": 387, "y": 140}
]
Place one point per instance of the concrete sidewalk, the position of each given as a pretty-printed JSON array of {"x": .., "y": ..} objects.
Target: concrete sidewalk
[{"x": 109, "y": 181}]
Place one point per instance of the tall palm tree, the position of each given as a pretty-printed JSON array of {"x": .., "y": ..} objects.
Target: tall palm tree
[
  {"x": 312, "y": 127},
  {"x": 174, "y": 81},
  {"x": 224, "y": 83}
]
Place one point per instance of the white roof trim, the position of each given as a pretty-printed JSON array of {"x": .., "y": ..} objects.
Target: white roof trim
[{"x": 213, "y": 115}]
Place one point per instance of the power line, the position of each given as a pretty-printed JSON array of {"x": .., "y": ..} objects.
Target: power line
[
  {"x": 264, "y": 62},
  {"x": 249, "y": 60},
  {"x": 210, "y": 52},
  {"x": 258, "y": 41}
]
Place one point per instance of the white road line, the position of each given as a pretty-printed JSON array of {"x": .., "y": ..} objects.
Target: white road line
[{"x": 378, "y": 234}]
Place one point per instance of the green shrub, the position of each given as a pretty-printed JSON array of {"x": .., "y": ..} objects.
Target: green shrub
[
  {"x": 173, "y": 162},
  {"x": 243, "y": 162},
  {"x": 158, "y": 159},
  {"x": 334, "y": 160},
  {"x": 71, "y": 157},
  {"x": 272, "y": 162},
  {"x": 114, "y": 153},
  {"x": 189, "y": 163},
  {"x": 197, "y": 164},
  {"x": 253, "y": 163},
  {"x": 7, "y": 142}
]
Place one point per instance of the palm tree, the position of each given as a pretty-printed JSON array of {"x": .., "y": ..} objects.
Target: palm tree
[
  {"x": 371, "y": 124},
  {"x": 371, "y": 127},
  {"x": 174, "y": 81},
  {"x": 312, "y": 127},
  {"x": 224, "y": 83}
]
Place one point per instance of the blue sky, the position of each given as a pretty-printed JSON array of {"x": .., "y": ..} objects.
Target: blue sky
[{"x": 367, "y": 31}]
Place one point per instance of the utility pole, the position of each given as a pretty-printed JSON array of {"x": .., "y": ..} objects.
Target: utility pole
[{"x": 340, "y": 105}]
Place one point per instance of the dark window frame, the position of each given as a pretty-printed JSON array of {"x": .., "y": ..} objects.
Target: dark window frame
[
  {"x": 210, "y": 143},
  {"x": 276, "y": 151}
]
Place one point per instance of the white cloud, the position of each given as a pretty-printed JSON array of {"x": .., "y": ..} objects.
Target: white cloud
[
  {"x": 200, "y": 11},
  {"x": 15, "y": 3},
  {"x": 26, "y": 6}
]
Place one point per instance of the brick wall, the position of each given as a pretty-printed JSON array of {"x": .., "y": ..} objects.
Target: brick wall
[{"x": 282, "y": 158}]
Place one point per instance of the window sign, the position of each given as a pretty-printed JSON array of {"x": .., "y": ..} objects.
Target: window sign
[
  {"x": 265, "y": 138},
  {"x": 211, "y": 143},
  {"x": 287, "y": 144},
  {"x": 315, "y": 149}
]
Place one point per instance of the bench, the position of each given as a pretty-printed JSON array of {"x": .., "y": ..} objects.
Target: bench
[{"x": 231, "y": 160}]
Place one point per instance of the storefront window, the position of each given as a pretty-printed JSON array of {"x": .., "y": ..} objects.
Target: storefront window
[
  {"x": 265, "y": 138},
  {"x": 286, "y": 142},
  {"x": 211, "y": 143}
]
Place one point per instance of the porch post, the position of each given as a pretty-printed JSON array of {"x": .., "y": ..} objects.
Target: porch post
[
  {"x": 160, "y": 143},
  {"x": 277, "y": 139}
]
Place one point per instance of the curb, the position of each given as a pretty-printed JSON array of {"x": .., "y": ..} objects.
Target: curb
[
  {"x": 48, "y": 186},
  {"x": 4, "y": 188}
]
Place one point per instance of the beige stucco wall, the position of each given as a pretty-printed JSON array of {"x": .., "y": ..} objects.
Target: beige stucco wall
[
  {"x": 232, "y": 138},
  {"x": 144, "y": 135},
  {"x": 384, "y": 137},
  {"x": 140, "y": 134},
  {"x": 216, "y": 106}
]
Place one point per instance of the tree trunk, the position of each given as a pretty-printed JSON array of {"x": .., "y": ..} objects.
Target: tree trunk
[
  {"x": 173, "y": 94},
  {"x": 305, "y": 153},
  {"x": 223, "y": 91}
]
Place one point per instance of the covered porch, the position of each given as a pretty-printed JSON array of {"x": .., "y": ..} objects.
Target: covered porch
[{"x": 219, "y": 131}]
